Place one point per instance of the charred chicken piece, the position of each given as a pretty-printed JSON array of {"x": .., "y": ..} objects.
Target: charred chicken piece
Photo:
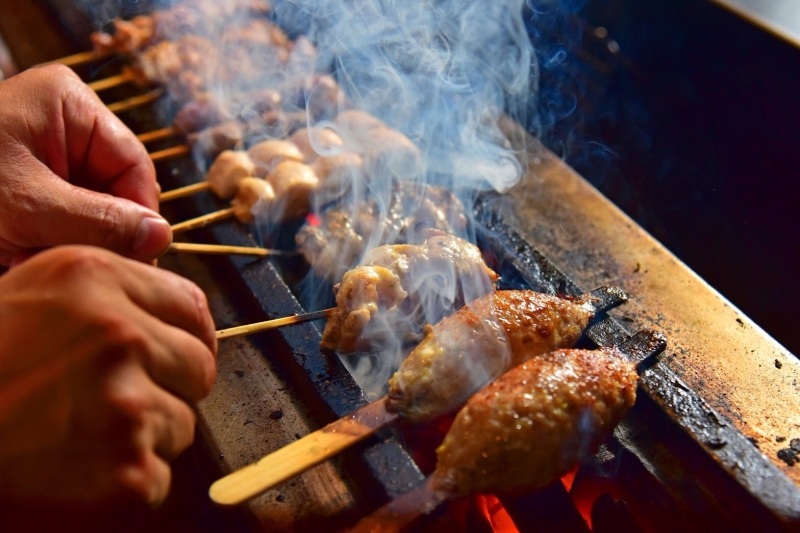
[
  {"x": 535, "y": 422},
  {"x": 227, "y": 170},
  {"x": 476, "y": 344},
  {"x": 402, "y": 288},
  {"x": 336, "y": 245},
  {"x": 253, "y": 195}
]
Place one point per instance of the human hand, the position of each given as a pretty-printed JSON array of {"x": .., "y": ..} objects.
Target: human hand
[
  {"x": 100, "y": 361},
  {"x": 71, "y": 172}
]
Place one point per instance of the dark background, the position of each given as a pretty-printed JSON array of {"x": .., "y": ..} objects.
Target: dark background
[{"x": 693, "y": 128}]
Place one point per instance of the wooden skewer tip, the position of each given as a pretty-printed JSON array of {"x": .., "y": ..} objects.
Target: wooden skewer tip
[{"x": 273, "y": 324}]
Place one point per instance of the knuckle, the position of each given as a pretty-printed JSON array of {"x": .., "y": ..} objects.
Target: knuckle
[
  {"x": 56, "y": 74},
  {"x": 209, "y": 375},
  {"x": 76, "y": 262},
  {"x": 145, "y": 481},
  {"x": 111, "y": 225},
  {"x": 184, "y": 432}
]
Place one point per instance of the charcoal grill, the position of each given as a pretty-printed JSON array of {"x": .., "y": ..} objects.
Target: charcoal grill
[{"x": 699, "y": 450}]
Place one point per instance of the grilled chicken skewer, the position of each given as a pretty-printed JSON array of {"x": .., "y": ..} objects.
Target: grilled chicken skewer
[
  {"x": 401, "y": 288},
  {"x": 283, "y": 195},
  {"x": 520, "y": 433},
  {"x": 549, "y": 323}
]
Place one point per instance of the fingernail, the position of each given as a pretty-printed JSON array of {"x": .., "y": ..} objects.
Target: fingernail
[{"x": 152, "y": 237}]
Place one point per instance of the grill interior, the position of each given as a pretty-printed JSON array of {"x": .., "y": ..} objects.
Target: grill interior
[{"x": 674, "y": 460}]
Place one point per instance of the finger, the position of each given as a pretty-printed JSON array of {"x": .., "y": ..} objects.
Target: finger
[
  {"x": 177, "y": 361},
  {"x": 170, "y": 298},
  {"x": 62, "y": 213},
  {"x": 147, "y": 480},
  {"x": 75, "y": 135},
  {"x": 171, "y": 426}
]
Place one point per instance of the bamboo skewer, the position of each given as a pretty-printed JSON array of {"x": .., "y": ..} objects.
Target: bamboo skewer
[
  {"x": 203, "y": 221},
  {"x": 273, "y": 324},
  {"x": 76, "y": 59},
  {"x": 219, "y": 249},
  {"x": 169, "y": 153},
  {"x": 187, "y": 190},
  {"x": 112, "y": 81},
  {"x": 301, "y": 455},
  {"x": 159, "y": 134},
  {"x": 135, "y": 101}
]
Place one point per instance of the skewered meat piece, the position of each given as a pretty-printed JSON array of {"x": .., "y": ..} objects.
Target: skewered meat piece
[
  {"x": 401, "y": 288},
  {"x": 253, "y": 51},
  {"x": 128, "y": 36},
  {"x": 385, "y": 151},
  {"x": 227, "y": 170},
  {"x": 338, "y": 167},
  {"x": 186, "y": 66},
  {"x": 294, "y": 183},
  {"x": 536, "y": 422},
  {"x": 210, "y": 124},
  {"x": 476, "y": 344},
  {"x": 253, "y": 195},
  {"x": 338, "y": 242},
  {"x": 212, "y": 141},
  {"x": 284, "y": 195},
  {"x": 203, "y": 111},
  {"x": 333, "y": 246},
  {"x": 308, "y": 140},
  {"x": 188, "y": 17},
  {"x": 268, "y": 154}
]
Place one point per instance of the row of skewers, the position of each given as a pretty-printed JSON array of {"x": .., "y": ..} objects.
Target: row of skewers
[{"x": 526, "y": 403}]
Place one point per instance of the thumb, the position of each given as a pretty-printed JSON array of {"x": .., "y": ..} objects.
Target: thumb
[{"x": 82, "y": 216}]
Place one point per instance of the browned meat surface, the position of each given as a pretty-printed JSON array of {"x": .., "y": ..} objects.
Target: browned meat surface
[
  {"x": 346, "y": 227},
  {"x": 270, "y": 153},
  {"x": 401, "y": 288},
  {"x": 536, "y": 422},
  {"x": 227, "y": 170},
  {"x": 186, "y": 66},
  {"x": 475, "y": 345},
  {"x": 313, "y": 141},
  {"x": 187, "y": 17},
  {"x": 202, "y": 112},
  {"x": 294, "y": 183},
  {"x": 253, "y": 196},
  {"x": 251, "y": 51},
  {"x": 386, "y": 152},
  {"x": 333, "y": 246},
  {"x": 212, "y": 141},
  {"x": 129, "y": 36}
]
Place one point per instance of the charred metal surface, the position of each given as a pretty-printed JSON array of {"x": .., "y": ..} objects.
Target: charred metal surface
[{"x": 727, "y": 446}]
